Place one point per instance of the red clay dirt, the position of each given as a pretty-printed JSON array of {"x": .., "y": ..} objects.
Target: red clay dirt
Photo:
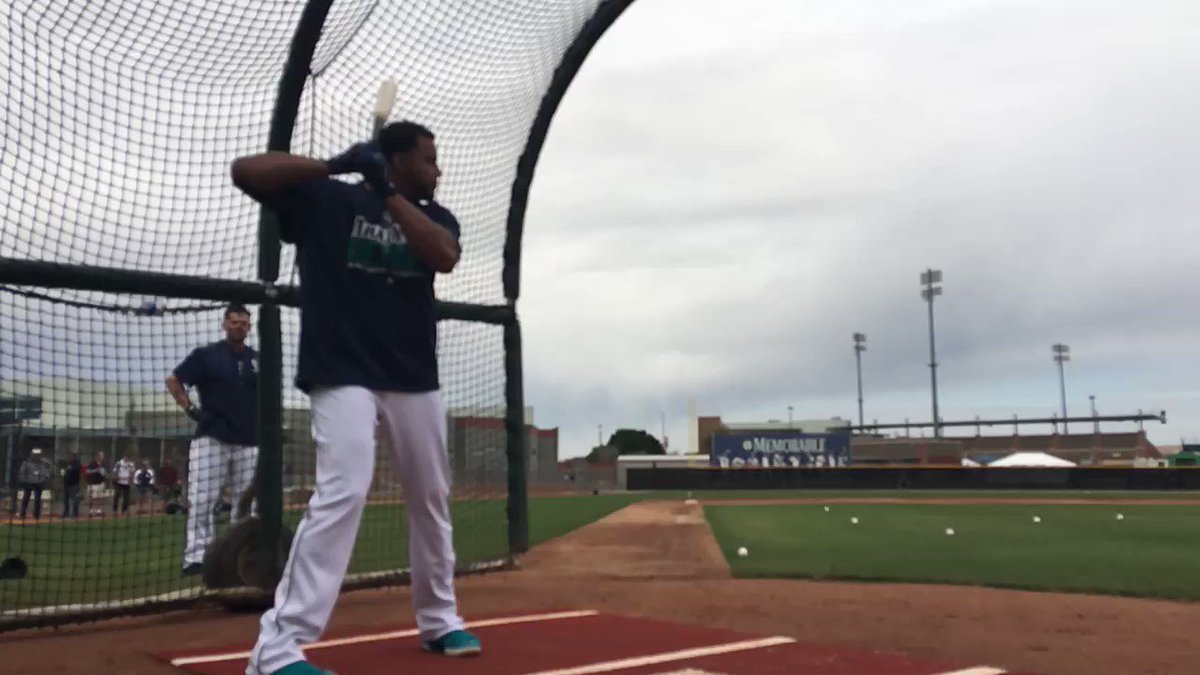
[
  {"x": 659, "y": 560},
  {"x": 636, "y": 645}
]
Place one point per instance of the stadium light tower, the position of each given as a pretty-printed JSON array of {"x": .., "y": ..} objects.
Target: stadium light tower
[
  {"x": 929, "y": 278},
  {"x": 1062, "y": 354},
  {"x": 860, "y": 346}
]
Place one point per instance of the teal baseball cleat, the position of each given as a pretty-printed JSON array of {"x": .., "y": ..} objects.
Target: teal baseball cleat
[
  {"x": 455, "y": 643},
  {"x": 302, "y": 668}
]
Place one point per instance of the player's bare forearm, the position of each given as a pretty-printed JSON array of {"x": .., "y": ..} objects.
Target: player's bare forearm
[
  {"x": 432, "y": 243},
  {"x": 271, "y": 171},
  {"x": 178, "y": 392}
]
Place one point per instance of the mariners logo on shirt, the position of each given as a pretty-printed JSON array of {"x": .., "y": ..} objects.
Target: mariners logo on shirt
[{"x": 381, "y": 248}]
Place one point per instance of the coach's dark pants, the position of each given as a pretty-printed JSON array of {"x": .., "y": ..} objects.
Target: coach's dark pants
[
  {"x": 70, "y": 501},
  {"x": 121, "y": 494},
  {"x": 36, "y": 491}
]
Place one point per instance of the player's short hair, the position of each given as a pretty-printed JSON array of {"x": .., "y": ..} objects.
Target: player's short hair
[
  {"x": 402, "y": 137},
  {"x": 236, "y": 308}
]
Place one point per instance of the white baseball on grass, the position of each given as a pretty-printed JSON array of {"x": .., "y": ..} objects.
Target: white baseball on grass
[
  {"x": 742, "y": 552},
  {"x": 1037, "y": 519},
  {"x": 854, "y": 520},
  {"x": 826, "y": 509},
  {"x": 1120, "y": 516},
  {"x": 950, "y": 531}
]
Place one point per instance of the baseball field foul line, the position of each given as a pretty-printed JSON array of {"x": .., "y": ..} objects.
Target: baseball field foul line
[
  {"x": 666, "y": 657},
  {"x": 393, "y": 635},
  {"x": 978, "y": 670}
]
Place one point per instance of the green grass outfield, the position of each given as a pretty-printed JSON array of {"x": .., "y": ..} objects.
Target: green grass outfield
[
  {"x": 1154, "y": 551},
  {"x": 93, "y": 561},
  {"x": 925, "y": 494}
]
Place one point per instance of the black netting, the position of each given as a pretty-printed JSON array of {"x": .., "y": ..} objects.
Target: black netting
[{"x": 120, "y": 120}]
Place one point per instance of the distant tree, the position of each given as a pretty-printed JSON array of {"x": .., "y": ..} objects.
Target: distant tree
[
  {"x": 635, "y": 442},
  {"x": 602, "y": 454}
]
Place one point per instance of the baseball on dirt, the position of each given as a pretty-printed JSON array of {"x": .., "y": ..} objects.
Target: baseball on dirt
[{"x": 742, "y": 552}]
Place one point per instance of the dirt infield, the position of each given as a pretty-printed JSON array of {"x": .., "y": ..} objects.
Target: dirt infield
[
  {"x": 659, "y": 560},
  {"x": 1046, "y": 501}
]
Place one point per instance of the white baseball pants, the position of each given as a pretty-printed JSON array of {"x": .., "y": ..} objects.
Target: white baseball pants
[
  {"x": 210, "y": 464},
  {"x": 345, "y": 421}
]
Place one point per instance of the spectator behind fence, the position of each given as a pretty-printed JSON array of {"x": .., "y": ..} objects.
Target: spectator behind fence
[
  {"x": 34, "y": 474},
  {"x": 168, "y": 487},
  {"x": 96, "y": 476},
  {"x": 122, "y": 482},
  {"x": 71, "y": 475},
  {"x": 143, "y": 478},
  {"x": 168, "y": 482}
]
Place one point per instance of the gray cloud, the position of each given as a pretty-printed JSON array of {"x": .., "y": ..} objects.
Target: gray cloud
[{"x": 717, "y": 211}]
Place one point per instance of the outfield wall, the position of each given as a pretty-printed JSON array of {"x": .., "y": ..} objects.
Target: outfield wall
[{"x": 916, "y": 478}]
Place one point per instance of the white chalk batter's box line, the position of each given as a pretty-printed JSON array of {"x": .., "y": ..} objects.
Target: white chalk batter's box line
[
  {"x": 587, "y": 669},
  {"x": 982, "y": 670}
]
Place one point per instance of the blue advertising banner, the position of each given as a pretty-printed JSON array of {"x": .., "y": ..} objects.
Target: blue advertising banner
[{"x": 782, "y": 449}]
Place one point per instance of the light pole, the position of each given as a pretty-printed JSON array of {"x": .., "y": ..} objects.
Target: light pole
[
  {"x": 929, "y": 278},
  {"x": 1095, "y": 422},
  {"x": 789, "y": 417},
  {"x": 860, "y": 346},
  {"x": 1062, "y": 354}
]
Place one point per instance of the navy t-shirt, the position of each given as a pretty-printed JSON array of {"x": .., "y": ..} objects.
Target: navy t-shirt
[
  {"x": 227, "y": 380},
  {"x": 367, "y": 302}
]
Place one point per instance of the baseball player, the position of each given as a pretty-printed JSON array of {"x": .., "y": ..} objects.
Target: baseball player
[
  {"x": 367, "y": 253},
  {"x": 226, "y": 375}
]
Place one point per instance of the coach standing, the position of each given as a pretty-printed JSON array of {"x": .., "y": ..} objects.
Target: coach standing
[{"x": 225, "y": 373}]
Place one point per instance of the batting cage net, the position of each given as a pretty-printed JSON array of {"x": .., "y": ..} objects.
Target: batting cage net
[{"x": 124, "y": 243}]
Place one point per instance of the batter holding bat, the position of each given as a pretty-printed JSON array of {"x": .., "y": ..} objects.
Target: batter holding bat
[{"x": 367, "y": 254}]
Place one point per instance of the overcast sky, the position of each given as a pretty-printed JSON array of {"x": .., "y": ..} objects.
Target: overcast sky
[{"x": 730, "y": 190}]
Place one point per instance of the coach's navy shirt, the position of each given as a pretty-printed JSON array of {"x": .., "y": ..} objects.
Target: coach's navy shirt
[
  {"x": 367, "y": 302},
  {"x": 227, "y": 380}
]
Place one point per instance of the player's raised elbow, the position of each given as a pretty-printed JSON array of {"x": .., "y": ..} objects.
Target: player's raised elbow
[
  {"x": 447, "y": 261},
  {"x": 256, "y": 174},
  {"x": 241, "y": 172}
]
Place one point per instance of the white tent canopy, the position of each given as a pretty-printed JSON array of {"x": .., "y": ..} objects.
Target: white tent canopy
[{"x": 1037, "y": 459}]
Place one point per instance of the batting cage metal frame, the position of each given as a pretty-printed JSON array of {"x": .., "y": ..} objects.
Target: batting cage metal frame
[{"x": 36, "y": 278}]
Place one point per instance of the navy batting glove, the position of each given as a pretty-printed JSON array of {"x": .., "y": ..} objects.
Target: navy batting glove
[
  {"x": 365, "y": 158},
  {"x": 375, "y": 172},
  {"x": 194, "y": 413},
  {"x": 352, "y": 160}
]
